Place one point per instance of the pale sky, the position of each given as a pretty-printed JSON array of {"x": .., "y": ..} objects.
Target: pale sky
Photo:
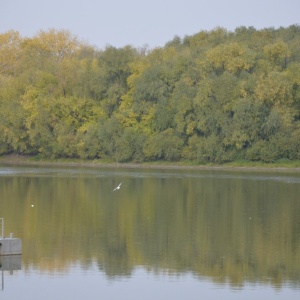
[{"x": 138, "y": 22}]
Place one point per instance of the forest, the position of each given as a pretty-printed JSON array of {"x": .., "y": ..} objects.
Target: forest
[{"x": 213, "y": 97}]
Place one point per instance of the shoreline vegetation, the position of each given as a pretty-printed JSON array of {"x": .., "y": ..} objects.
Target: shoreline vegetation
[
  {"x": 216, "y": 98},
  {"x": 280, "y": 165}
]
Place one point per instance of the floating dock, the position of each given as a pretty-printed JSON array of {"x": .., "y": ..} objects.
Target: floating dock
[{"x": 9, "y": 245}]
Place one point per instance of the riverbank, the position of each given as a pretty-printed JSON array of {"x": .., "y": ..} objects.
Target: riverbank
[{"x": 14, "y": 159}]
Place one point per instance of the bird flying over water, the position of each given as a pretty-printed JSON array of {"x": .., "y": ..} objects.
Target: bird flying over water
[{"x": 118, "y": 187}]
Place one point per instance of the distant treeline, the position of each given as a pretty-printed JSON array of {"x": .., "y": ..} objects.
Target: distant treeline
[{"x": 215, "y": 96}]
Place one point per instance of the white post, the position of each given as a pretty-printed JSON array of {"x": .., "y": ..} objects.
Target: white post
[{"x": 2, "y": 226}]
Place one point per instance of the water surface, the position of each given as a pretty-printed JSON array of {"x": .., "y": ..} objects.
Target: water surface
[{"x": 165, "y": 234}]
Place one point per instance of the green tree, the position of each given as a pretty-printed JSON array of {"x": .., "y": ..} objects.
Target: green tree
[
  {"x": 163, "y": 145},
  {"x": 9, "y": 52},
  {"x": 278, "y": 53},
  {"x": 114, "y": 69},
  {"x": 233, "y": 58}
]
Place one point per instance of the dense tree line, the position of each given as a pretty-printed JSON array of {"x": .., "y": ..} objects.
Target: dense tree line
[{"x": 215, "y": 96}]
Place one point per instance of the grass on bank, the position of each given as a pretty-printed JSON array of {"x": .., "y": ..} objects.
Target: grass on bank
[{"x": 22, "y": 159}]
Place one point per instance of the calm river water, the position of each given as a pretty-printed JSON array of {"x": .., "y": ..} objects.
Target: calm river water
[{"x": 165, "y": 234}]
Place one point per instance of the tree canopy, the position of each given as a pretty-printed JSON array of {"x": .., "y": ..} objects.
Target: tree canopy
[{"x": 215, "y": 96}]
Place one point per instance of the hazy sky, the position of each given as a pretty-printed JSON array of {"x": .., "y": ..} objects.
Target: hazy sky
[{"x": 139, "y": 23}]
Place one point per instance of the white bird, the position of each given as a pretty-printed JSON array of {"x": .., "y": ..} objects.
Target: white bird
[{"x": 118, "y": 187}]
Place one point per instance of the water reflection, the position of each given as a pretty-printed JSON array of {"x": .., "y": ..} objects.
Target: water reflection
[
  {"x": 235, "y": 228},
  {"x": 9, "y": 264}
]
